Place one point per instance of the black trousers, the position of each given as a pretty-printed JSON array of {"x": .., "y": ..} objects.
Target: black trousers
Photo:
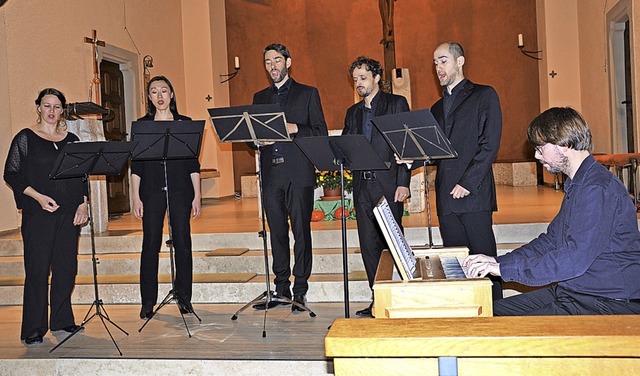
[
  {"x": 155, "y": 207},
  {"x": 50, "y": 245},
  {"x": 555, "y": 300},
  {"x": 284, "y": 202},
  {"x": 473, "y": 230},
  {"x": 370, "y": 236}
]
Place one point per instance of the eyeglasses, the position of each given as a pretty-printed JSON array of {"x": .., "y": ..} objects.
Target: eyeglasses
[{"x": 540, "y": 148}]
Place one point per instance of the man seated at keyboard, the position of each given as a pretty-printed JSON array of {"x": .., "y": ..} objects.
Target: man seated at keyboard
[{"x": 589, "y": 258}]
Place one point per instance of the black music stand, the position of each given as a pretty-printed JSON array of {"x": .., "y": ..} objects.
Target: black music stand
[
  {"x": 162, "y": 141},
  {"x": 416, "y": 135},
  {"x": 332, "y": 153},
  {"x": 256, "y": 124},
  {"x": 82, "y": 159}
]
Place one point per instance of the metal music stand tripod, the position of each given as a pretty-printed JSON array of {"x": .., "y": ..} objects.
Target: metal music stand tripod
[
  {"x": 332, "y": 153},
  {"x": 255, "y": 124},
  {"x": 416, "y": 135},
  {"x": 164, "y": 141},
  {"x": 82, "y": 159}
]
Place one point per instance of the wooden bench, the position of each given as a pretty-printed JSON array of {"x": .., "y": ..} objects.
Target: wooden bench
[
  {"x": 618, "y": 164},
  {"x": 547, "y": 345}
]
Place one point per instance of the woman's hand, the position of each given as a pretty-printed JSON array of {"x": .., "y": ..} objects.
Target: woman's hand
[
  {"x": 47, "y": 203},
  {"x": 138, "y": 208},
  {"x": 82, "y": 214},
  {"x": 196, "y": 206}
]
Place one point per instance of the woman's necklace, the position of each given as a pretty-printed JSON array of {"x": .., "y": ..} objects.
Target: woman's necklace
[{"x": 55, "y": 145}]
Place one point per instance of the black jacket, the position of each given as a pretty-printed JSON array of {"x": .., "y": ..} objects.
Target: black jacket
[
  {"x": 305, "y": 110},
  {"x": 396, "y": 175},
  {"x": 474, "y": 127}
]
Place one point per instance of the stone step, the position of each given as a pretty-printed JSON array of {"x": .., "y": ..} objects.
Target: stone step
[
  {"x": 213, "y": 288},
  {"x": 128, "y": 366},
  {"x": 130, "y": 241},
  {"x": 222, "y": 260},
  {"x": 233, "y": 276}
]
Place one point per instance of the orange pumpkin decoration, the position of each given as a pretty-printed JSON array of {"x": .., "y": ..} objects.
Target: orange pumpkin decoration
[
  {"x": 340, "y": 211},
  {"x": 317, "y": 215}
]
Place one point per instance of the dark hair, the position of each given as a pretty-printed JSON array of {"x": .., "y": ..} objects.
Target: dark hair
[
  {"x": 279, "y": 48},
  {"x": 173, "y": 107},
  {"x": 370, "y": 64},
  {"x": 455, "y": 49},
  {"x": 51, "y": 91},
  {"x": 562, "y": 126}
]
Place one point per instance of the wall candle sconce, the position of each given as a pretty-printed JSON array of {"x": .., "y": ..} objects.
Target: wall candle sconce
[
  {"x": 227, "y": 77},
  {"x": 526, "y": 53}
]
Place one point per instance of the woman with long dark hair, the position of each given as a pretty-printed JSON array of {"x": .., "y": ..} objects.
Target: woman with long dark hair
[
  {"x": 150, "y": 204},
  {"x": 52, "y": 212}
]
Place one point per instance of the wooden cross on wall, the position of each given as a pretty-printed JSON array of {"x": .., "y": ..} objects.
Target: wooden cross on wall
[
  {"x": 388, "y": 41},
  {"x": 96, "y": 69}
]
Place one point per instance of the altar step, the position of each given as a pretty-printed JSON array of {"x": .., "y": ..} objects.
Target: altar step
[
  {"x": 130, "y": 241},
  {"x": 225, "y": 275},
  {"x": 165, "y": 367}
]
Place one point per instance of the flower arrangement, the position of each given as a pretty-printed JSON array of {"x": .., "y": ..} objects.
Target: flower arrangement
[{"x": 331, "y": 180}]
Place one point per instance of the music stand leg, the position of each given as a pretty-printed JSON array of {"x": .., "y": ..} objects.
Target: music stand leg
[
  {"x": 269, "y": 295},
  {"x": 97, "y": 303},
  {"x": 426, "y": 197},
  {"x": 345, "y": 260},
  {"x": 171, "y": 296}
]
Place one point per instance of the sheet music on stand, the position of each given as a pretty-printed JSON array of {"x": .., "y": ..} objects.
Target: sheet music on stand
[
  {"x": 415, "y": 135},
  {"x": 403, "y": 256}
]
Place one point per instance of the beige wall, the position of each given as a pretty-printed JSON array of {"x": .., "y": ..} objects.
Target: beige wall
[
  {"x": 560, "y": 50},
  {"x": 574, "y": 37},
  {"x": 205, "y": 58},
  {"x": 9, "y": 219},
  {"x": 43, "y": 45}
]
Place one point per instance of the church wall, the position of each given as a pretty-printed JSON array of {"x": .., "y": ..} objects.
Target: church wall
[
  {"x": 596, "y": 68},
  {"x": 8, "y": 220},
  {"x": 44, "y": 47},
  {"x": 576, "y": 45},
  {"x": 204, "y": 37},
  {"x": 324, "y": 37}
]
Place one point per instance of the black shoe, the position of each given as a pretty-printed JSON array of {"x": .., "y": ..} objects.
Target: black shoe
[
  {"x": 146, "y": 313},
  {"x": 301, "y": 299},
  {"x": 185, "y": 308},
  {"x": 33, "y": 340},
  {"x": 272, "y": 304},
  {"x": 367, "y": 312},
  {"x": 71, "y": 328}
]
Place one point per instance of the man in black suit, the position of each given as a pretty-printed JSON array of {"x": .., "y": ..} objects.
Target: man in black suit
[
  {"x": 370, "y": 186},
  {"x": 471, "y": 118},
  {"x": 288, "y": 177}
]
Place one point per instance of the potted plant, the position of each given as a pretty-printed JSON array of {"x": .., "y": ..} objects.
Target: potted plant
[{"x": 330, "y": 183}]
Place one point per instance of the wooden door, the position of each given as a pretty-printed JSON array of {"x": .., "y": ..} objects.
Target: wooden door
[{"x": 115, "y": 129}]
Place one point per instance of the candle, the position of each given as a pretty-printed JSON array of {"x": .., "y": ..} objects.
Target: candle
[
  {"x": 237, "y": 62},
  {"x": 520, "y": 40}
]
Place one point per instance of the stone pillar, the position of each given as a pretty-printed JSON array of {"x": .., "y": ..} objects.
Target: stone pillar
[{"x": 91, "y": 130}]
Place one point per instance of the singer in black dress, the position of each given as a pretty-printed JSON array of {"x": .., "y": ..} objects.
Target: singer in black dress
[
  {"x": 52, "y": 212},
  {"x": 150, "y": 205}
]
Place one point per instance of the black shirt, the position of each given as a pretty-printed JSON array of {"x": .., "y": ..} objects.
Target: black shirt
[
  {"x": 30, "y": 161},
  {"x": 367, "y": 125},
  {"x": 448, "y": 99},
  {"x": 179, "y": 172}
]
